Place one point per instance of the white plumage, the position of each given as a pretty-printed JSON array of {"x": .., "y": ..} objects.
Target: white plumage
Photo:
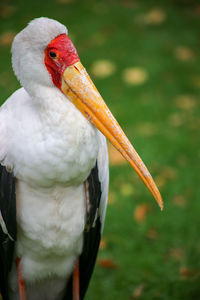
[{"x": 51, "y": 148}]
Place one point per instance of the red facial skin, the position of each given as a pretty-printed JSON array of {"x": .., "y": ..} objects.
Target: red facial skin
[{"x": 66, "y": 55}]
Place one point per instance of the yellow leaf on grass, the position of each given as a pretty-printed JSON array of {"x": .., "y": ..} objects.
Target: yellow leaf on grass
[
  {"x": 160, "y": 181},
  {"x": 186, "y": 273},
  {"x": 175, "y": 119},
  {"x": 127, "y": 189},
  {"x": 166, "y": 173},
  {"x": 111, "y": 198},
  {"x": 169, "y": 172},
  {"x": 185, "y": 102},
  {"x": 155, "y": 16},
  {"x": 152, "y": 234},
  {"x": 135, "y": 76},
  {"x": 177, "y": 253},
  {"x": 140, "y": 212},
  {"x": 103, "y": 68},
  {"x": 6, "y": 38},
  {"x": 180, "y": 200},
  {"x": 184, "y": 53},
  {"x": 107, "y": 263},
  {"x": 137, "y": 293},
  {"x": 103, "y": 244}
]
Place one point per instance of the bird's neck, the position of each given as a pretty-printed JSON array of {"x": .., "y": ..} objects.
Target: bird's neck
[{"x": 53, "y": 107}]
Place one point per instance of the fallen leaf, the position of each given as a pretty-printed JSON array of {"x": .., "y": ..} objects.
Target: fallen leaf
[
  {"x": 166, "y": 173},
  {"x": 135, "y": 76},
  {"x": 103, "y": 244},
  {"x": 175, "y": 119},
  {"x": 169, "y": 172},
  {"x": 137, "y": 293},
  {"x": 152, "y": 234},
  {"x": 107, "y": 263},
  {"x": 179, "y": 200},
  {"x": 103, "y": 68},
  {"x": 185, "y": 102},
  {"x": 7, "y": 11},
  {"x": 155, "y": 16},
  {"x": 6, "y": 38},
  {"x": 111, "y": 198},
  {"x": 127, "y": 189},
  {"x": 184, "y": 53},
  {"x": 160, "y": 180},
  {"x": 140, "y": 212},
  {"x": 176, "y": 253},
  {"x": 115, "y": 157},
  {"x": 186, "y": 273}
]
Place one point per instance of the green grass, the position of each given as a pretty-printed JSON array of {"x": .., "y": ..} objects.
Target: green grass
[{"x": 116, "y": 31}]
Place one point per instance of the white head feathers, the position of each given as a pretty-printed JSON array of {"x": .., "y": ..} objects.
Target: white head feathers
[{"x": 28, "y": 51}]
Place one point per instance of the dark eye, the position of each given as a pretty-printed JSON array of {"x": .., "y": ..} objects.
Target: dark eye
[{"x": 52, "y": 54}]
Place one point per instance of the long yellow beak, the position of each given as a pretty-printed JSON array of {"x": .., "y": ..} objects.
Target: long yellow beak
[{"x": 80, "y": 90}]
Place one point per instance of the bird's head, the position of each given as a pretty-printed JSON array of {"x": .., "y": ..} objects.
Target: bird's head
[
  {"x": 60, "y": 54},
  {"x": 44, "y": 55}
]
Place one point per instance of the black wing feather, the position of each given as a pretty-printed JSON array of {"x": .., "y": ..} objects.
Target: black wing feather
[{"x": 8, "y": 211}]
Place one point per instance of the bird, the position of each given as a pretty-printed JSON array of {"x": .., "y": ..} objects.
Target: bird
[{"x": 54, "y": 173}]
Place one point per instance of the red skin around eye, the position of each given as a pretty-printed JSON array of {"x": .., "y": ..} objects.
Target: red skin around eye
[{"x": 66, "y": 56}]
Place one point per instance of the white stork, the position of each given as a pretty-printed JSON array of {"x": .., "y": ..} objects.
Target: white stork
[{"x": 54, "y": 169}]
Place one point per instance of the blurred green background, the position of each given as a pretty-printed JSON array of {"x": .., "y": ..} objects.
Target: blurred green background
[{"x": 144, "y": 58}]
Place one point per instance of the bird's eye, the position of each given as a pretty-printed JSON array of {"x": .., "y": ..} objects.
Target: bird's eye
[{"x": 52, "y": 54}]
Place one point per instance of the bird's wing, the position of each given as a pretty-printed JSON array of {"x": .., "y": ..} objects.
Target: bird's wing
[
  {"x": 7, "y": 226},
  {"x": 7, "y": 201},
  {"x": 10, "y": 113},
  {"x": 97, "y": 189}
]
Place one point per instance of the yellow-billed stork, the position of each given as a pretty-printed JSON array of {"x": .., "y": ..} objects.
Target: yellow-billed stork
[{"x": 54, "y": 169}]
